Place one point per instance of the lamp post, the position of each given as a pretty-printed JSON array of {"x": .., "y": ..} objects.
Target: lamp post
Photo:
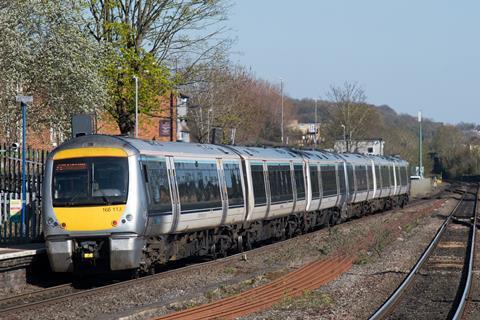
[
  {"x": 344, "y": 138},
  {"x": 315, "y": 136},
  {"x": 281, "y": 92},
  {"x": 420, "y": 146},
  {"x": 136, "y": 105},
  {"x": 23, "y": 101}
]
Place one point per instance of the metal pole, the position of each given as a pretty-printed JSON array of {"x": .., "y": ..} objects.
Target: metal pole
[
  {"x": 281, "y": 90},
  {"x": 136, "y": 106},
  {"x": 420, "y": 153},
  {"x": 24, "y": 165},
  {"x": 315, "y": 139}
]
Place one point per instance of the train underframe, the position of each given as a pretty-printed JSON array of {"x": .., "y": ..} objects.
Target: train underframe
[{"x": 219, "y": 242}]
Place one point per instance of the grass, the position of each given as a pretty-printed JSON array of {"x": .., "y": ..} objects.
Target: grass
[
  {"x": 229, "y": 270},
  {"x": 310, "y": 301}
]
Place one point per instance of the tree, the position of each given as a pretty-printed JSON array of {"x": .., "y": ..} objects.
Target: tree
[
  {"x": 454, "y": 152},
  {"x": 351, "y": 113},
  {"x": 44, "y": 53},
  {"x": 230, "y": 97},
  {"x": 175, "y": 34}
]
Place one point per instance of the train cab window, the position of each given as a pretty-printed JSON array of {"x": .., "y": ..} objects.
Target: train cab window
[
  {"x": 90, "y": 181},
  {"x": 361, "y": 176},
  {"x": 234, "y": 183},
  {"x": 299, "y": 181},
  {"x": 258, "y": 182},
  {"x": 378, "y": 177},
  {"x": 198, "y": 185},
  {"x": 158, "y": 190},
  {"x": 329, "y": 180},
  {"x": 280, "y": 182},
  {"x": 351, "y": 181},
  {"x": 314, "y": 181}
]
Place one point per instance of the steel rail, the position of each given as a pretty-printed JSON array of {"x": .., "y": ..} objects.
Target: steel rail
[
  {"x": 385, "y": 308},
  {"x": 468, "y": 284}
]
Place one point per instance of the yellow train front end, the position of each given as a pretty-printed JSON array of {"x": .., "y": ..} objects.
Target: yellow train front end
[{"x": 88, "y": 223}]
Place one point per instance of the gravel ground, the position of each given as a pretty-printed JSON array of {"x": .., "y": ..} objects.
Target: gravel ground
[
  {"x": 386, "y": 244},
  {"x": 360, "y": 291}
]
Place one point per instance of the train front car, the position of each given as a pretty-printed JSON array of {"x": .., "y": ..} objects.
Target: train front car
[{"x": 92, "y": 218}]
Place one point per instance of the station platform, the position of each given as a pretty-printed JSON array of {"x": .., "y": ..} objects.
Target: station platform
[{"x": 18, "y": 256}]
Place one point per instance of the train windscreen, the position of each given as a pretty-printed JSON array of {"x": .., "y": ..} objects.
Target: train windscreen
[{"x": 90, "y": 181}]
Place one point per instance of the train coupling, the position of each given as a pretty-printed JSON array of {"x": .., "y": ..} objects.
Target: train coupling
[{"x": 89, "y": 251}]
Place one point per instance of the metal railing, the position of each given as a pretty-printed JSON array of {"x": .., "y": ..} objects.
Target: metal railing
[{"x": 11, "y": 189}]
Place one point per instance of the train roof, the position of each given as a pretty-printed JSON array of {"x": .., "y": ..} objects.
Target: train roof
[
  {"x": 266, "y": 153},
  {"x": 151, "y": 147}
]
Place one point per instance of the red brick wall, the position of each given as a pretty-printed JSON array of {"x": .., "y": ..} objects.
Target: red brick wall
[{"x": 149, "y": 127}]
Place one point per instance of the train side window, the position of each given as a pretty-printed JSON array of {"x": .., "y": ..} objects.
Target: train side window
[
  {"x": 258, "y": 181},
  {"x": 280, "y": 182},
  {"x": 390, "y": 171},
  {"x": 351, "y": 182},
  {"x": 385, "y": 177},
  {"x": 329, "y": 180},
  {"x": 314, "y": 181},
  {"x": 399, "y": 177},
  {"x": 234, "y": 183},
  {"x": 361, "y": 176},
  {"x": 299, "y": 181},
  {"x": 158, "y": 190},
  {"x": 378, "y": 177},
  {"x": 198, "y": 185},
  {"x": 370, "y": 177},
  {"x": 403, "y": 173},
  {"x": 341, "y": 178}
]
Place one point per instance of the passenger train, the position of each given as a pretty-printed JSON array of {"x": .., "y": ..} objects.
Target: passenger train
[{"x": 119, "y": 203}]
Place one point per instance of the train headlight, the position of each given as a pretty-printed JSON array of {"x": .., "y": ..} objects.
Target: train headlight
[
  {"x": 129, "y": 217},
  {"x": 51, "y": 222}
]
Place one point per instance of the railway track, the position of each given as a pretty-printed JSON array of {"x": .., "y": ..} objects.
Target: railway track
[
  {"x": 438, "y": 286},
  {"x": 35, "y": 300},
  {"x": 307, "y": 278}
]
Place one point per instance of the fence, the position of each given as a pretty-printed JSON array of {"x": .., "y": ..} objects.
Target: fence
[{"x": 11, "y": 190}]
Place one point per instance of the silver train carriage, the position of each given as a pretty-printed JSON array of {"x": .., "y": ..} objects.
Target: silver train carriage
[{"x": 118, "y": 203}]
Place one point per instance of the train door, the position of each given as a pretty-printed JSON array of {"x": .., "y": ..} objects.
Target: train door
[
  {"x": 223, "y": 188},
  {"x": 172, "y": 180}
]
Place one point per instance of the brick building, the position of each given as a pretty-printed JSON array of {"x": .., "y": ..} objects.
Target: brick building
[{"x": 162, "y": 126}]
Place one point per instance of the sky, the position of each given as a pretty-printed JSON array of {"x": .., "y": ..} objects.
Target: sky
[{"x": 410, "y": 55}]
